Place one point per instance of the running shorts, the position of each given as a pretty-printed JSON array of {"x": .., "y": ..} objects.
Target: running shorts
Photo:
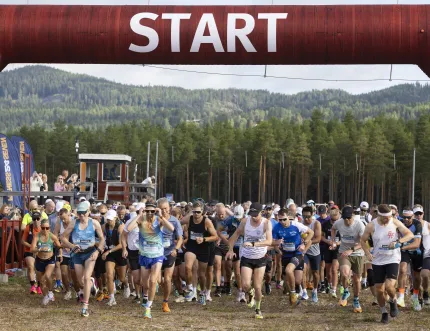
[
  {"x": 28, "y": 254},
  {"x": 211, "y": 256},
  {"x": 297, "y": 260},
  {"x": 100, "y": 267},
  {"x": 415, "y": 260},
  {"x": 253, "y": 263},
  {"x": 42, "y": 264},
  {"x": 330, "y": 255},
  {"x": 148, "y": 262},
  {"x": 116, "y": 257},
  {"x": 133, "y": 259},
  {"x": 313, "y": 261},
  {"x": 80, "y": 258},
  {"x": 426, "y": 263},
  {"x": 220, "y": 252},
  {"x": 169, "y": 261},
  {"x": 236, "y": 251},
  {"x": 66, "y": 261},
  {"x": 354, "y": 262},
  {"x": 179, "y": 259},
  {"x": 385, "y": 271},
  {"x": 269, "y": 264}
]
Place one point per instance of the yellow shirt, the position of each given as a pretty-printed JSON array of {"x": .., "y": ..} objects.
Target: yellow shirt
[{"x": 27, "y": 219}]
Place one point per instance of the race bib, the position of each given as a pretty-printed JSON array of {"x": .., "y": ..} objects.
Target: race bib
[
  {"x": 166, "y": 243},
  {"x": 385, "y": 250},
  {"x": 225, "y": 234},
  {"x": 195, "y": 235},
  {"x": 348, "y": 239},
  {"x": 151, "y": 248},
  {"x": 289, "y": 247}
]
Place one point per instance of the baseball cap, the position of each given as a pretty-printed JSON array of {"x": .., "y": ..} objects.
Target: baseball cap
[
  {"x": 276, "y": 210},
  {"x": 393, "y": 207},
  {"x": 364, "y": 205},
  {"x": 347, "y": 212},
  {"x": 135, "y": 204},
  {"x": 140, "y": 206},
  {"x": 48, "y": 201},
  {"x": 310, "y": 202},
  {"x": 98, "y": 204},
  {"x": 335, "y": 207},
  {"x": 255, "y": 209},
  {"x": 111, "y": 214},
  {"x": 83, "y": 206},
  {"x": 59, "y": 205},
  {"x": 418, "y": 210},
  {"x": 67, "y": 206},
  {"x": 36, "y": 215},
  {"x": 82, "y": 199},
  {"x": 239, "y": 212},
  {"x": 183, "y": 203},
  {"x": 322, "y": 209},
  {"x": 91, "y": 201},
  {"x": 299, "y": 210}
]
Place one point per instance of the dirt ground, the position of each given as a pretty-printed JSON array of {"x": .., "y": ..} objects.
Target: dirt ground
[{"x": 21, "y": 311}]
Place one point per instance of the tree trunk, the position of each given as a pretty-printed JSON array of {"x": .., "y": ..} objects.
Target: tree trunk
[
  {"x": 279, "y": 199},
  {"x": 264, "y": 179},
  {"x": 188, "y": 183},
  {"x": 259, "y": 179},
  {"x": 210, "y": 183}
]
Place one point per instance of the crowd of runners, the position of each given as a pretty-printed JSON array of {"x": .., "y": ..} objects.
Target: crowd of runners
[{"x": 182, "y": 249}]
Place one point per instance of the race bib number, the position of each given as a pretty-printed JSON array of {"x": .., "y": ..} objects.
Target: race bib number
[
  {"x": 225, "y": 234},
  {"x": 151, "y": 248},
  {"x": 385, "y": 250},
  {"x": 348, "y": 239},
  {"x": 195, "y": 235},
  {"x": 289, "y": 247},
  {"x": 166, "y": 243}
]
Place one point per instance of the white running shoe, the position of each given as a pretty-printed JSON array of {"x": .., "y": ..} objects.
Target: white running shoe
[
  {"x": 180, "y": 299},
  {"x": 242, "y": 297},
  {"x": 51, "y": 296},
  {"x": 208, "y": 296},
  {"x": 45, "y": 300},
  {"x": 94, "y": 288},
  {"x": 111, "y": 302},
  {"x": 68, "y": 295},
  {"x": 238, "y": 296},
  {"x": 401, "y": 302},
  {"x": 305, "y": 295},
  {"x": 126, "y": 293}
]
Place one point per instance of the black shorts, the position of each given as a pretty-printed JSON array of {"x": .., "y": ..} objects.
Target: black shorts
[
  {"x": 330, "y": 255},
  {"x": 41, "y": 265},
  {"x": 169, "y": 261},
  {"x": 313, "y": 261},
  {"x": 211, "y": 256},
  {"x": 204, "y": 258},
  {"x": 386, "y": 271},
  {"x": 99, "y": 268},
  {"x": 133, "y": 259},
  {"x": 28, "y": 254},
  {"x": 426, "y": 263},
  {"x": 415, "y": 260},
  {"x": 179, "y": 259},
  {"x": 253, "y": 263},
  {"x": 236, "y": 251},
  {"x": 116, "y": 257},
  {"x": 298, "y": 261},
  {"x": 219, "y": 251},
  {"x": 66, "y": 261}
]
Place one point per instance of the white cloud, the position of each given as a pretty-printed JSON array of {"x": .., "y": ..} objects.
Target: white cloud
[{"x": 137, "y": 75}]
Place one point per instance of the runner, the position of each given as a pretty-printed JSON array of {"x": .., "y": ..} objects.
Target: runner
[
  {"x": 386, "y": 256},
  {"x": 84, "y": 249},
  {"x": 151, "y": 252},
  {"x": 31, "y": 230},
  {"x": 43, "y": 246},
  {"x": 411, "y": 254},
  {"x": 287, "y": 235},
  {"x": 201, "y": 232},
  {"x": 257, "y": 233},
  {"x": 221, "y": 248},
  {"x": 113, "y": 255},
  {"x": 425, "y": 271},
  {"x": 350, "y": 254},
  {"x": 172, "y": 242}
]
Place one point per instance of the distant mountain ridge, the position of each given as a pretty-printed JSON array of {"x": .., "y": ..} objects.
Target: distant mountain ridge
[{"x": 41, "y": 94}]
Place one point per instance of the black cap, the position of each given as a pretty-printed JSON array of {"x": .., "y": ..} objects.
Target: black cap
[
  {"x": 255, "y": 209},
  {"x": 347, "y": 212},
  {"x": 109, "y": 202},
  {"x": 36, "y": 215},
  {"x": 91, "y": 201},
  {"x": 322, "y": 209}
]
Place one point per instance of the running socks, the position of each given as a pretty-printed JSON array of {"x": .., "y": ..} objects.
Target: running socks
[
  {"x": 58, "y": 282},
  {"x": 257, "y": 304},
  {"x": 32, "y": 282},
  {"x": 383, "y": 310},
  {"x": 149, "y": 304}
]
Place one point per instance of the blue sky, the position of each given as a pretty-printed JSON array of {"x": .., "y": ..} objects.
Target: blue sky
[{"x": 130, "y": 74}]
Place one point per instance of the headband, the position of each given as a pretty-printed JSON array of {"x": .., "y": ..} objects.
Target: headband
[
  {"x": 385, "y": 214},
  {"x": 407, "y": 212}
]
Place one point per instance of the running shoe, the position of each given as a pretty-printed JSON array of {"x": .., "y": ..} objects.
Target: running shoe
[
  {"x": 84, "y": 312},
  {"x": 333, "y": 293},
  {"x": 133, "y": 293},
  {"x": 242, "y": 297},
  {"x": 384, "y": 318},
  {"x": 357, "y": 307},
  {"x": 314, "y": 297},
  {"x": 375, "y": 302},
  {"x": 217, "y": 292},
  {"x": 68, "y": 295},
  {"x": 45, "y": 300},
  {"x": 294, "y": 299},
  {"x": 208, "y": 296},
  {"x": 394, "y": 311},
  {"x": 176, "y": 293},
  {"x": 258, "y": 314},
  {"x": 322, "y": 288},
  {"x": 251, "y": 300},
  {"x": 189, "y": 296},
  {"x": 341, "y": 290},
  {"x": 202, "y": 299},
  {"x": 278, "y": 285},
  {"x": 426, "y": 298},
  {"x": 58, "y": 287},
  {"x": 228, "y": 290},
  {"x": 165, "y": 307},
  {"x": 328, "y": 289},
  {"x": 51, "y": 296},
  {"x": 94, "y": 288},
  {"x": 111, "y": 302},
  {"x": 180, "y": 299},
  {"x": 416, "y": 303},
  {"x": 126, "y": 293},
  {"x": 147, "y": 315},
  {"x": 401, "y": 302},
  {"x": 310, "y": 286},
  {"x": 100, "y": 296},
  {"x": 33, "y": 290},
  {"x": 344, "y": 300},
  {"x": 305, "y": 295},
  {"x": 268, "y": 288},
  {"x": 39, "y": 290},
  {"x": 144, "y": 300}
]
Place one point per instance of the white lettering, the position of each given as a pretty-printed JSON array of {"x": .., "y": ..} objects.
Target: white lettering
[
  {"x": 140, "y": 29},
  {"x": 213, "y": 38},
  {"x": 175, "y": 29},
  {"x": 271, "y": 28},
  {"x": 241, "y": 34}
]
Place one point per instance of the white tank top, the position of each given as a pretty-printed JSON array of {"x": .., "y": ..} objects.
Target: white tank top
[
  {"x": 66, "y": 251},
  {"x": 426, "y": 239},
  {"x": 253, "y": 234},
  {"x": 314, "y": 250},
  {"x": 382, "y": 238}
]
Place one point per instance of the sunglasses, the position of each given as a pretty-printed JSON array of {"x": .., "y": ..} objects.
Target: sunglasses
[
  {"x": 282, "y": 219},
  {"x": 150, "y": 211},
  {"x": 307, "y": 216},
  {"x": 419, "y": 214},
  {"x": 44, "y": 227},
  {"x": 197, "y": 212},
  {"x": 407, "y": 217},
  {"x": 36, "y": 219},
  {"x": 81, "y": 212}
]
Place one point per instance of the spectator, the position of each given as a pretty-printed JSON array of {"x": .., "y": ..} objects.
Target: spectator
[
  {"x": 59, "y": 185},
  {"x": 43, "y": 188},
  {"x": 35, "y": 184},
  {"x": 5, "y": 212}
]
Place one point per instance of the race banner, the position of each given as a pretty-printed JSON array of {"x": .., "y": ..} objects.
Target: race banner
[
  {"x": 10, "y": 170},
  {"x": 23, "y": 147}
]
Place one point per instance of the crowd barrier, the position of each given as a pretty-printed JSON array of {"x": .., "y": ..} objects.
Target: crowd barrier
[{"x": 11, "y": 249}]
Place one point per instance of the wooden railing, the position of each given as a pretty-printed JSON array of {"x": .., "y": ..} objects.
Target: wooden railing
[{"x": 11, "y": 254}]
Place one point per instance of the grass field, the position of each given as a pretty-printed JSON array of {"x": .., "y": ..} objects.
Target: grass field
[{"x": 20, "y": 311}]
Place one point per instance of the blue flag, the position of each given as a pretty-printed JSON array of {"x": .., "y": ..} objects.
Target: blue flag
[
  {"x": 23, "y": 147},
  {"x": 10, "y": 170}
]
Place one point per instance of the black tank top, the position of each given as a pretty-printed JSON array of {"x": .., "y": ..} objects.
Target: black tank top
[
  {"x": 196, "y": 231},
  {"x": 112, "y": 238}
]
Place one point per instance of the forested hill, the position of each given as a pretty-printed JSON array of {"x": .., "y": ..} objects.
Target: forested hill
[{"x": 40, "y": 94}]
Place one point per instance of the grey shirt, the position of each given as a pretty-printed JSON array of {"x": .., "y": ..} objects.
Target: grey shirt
[{"x": 350, "y": 235}]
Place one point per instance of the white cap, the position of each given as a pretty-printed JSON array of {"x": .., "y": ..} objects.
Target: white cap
[
  {"x": 134, "y": 204},
  {"x": 111, "y": 214},
  {"x": 82, "y": 199},
  {"x": 289, "y": 204},
  {"x": 418, "y": 210},
  {"x": 364, "y": 205},
  {"x": 140, "y": 206},
  {"x": 178, "y": 205},
  {"x": 98, "y": 204},
  {"x": 276, "y": 211},
  {"x": 59, "y": 205},
  {"x": 48, "y": 201},
  {"x": 393, "y": 207},
  {"x": 299, "y": 210},
  {"x": 310, "y": 202},
  {"x": 358, "y": 209},
  {"x": 239, "y": 212}
]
